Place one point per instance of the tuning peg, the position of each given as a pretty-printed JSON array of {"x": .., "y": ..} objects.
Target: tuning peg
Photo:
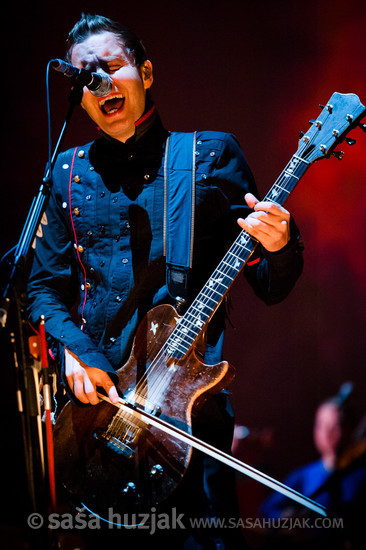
[
  {"x": 303, "y": 133},
  {"x": 338, "y": 154},
  {"x": 317, "y": 123},
  {"x": 350, "y": 141},
  {"x": 362, "y": 126},
  {"x": 328, "y": 106}
]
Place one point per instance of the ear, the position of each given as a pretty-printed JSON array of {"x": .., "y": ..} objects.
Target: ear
[{"x": 147, "y": 74}]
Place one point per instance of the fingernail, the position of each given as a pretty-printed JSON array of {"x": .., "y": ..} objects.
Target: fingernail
[{"x": 113, "y": 394}]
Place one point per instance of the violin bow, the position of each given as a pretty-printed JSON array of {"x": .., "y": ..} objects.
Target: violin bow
[{"x": 217, "y": 454}]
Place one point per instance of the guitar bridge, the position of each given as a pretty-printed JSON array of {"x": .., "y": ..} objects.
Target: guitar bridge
[{"x": 113, "y": 443}]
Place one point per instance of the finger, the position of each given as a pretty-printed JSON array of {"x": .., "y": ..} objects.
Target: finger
[
  {"x": 261, "y": 217},
  {"x": 78, "y": 389},
  {"x": 73, "y": 376},
  {"x": 272, "y": 208},
  {"x": 90, "y": 391},
  {"x": 255, "y": 227},
  {"x": 113, "y": 395},
  {"x": 104, "y": 381},
  {"x": 110, "y": 388},
  {"x": 251, "y": 200}
]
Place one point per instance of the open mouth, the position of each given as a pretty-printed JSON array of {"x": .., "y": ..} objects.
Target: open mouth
[{"x": 111, "y": 105}]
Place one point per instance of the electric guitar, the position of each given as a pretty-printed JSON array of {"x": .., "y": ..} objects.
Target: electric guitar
[{"x": 131, "y": 456}]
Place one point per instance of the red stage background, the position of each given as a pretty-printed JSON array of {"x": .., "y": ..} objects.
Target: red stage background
[{"x": 258, "y": 70}]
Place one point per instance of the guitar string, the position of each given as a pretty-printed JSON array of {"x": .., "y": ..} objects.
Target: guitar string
[{"x": 156, "y": 375}]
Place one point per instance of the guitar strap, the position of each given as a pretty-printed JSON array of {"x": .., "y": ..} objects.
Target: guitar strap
[{"x": 179, "y": 211}]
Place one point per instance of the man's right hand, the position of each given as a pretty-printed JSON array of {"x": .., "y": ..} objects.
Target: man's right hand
[{"x": 83, "y": 380}]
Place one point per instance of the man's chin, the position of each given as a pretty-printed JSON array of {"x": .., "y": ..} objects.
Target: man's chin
[{"x": 117, "y": 130}]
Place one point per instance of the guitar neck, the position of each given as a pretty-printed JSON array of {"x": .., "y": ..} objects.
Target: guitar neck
[{"x": 208, "y": 300}]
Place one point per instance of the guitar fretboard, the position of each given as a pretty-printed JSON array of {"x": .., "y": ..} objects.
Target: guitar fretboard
[{"x": 204, "y": 306}]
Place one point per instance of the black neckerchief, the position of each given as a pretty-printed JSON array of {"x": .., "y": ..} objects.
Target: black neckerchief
[{"x": 134, "y": 163}]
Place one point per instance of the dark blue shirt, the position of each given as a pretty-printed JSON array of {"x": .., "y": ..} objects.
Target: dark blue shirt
[{"x": 100, "y": 244}]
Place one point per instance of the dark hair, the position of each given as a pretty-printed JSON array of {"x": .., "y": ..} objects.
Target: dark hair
[{"x": 95, "y": 24}]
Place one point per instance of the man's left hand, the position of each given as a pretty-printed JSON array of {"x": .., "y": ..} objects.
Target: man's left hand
[{"x": 269, "y": 223}]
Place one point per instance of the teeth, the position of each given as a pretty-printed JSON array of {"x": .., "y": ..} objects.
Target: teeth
[{"x": 117, "y": 96}]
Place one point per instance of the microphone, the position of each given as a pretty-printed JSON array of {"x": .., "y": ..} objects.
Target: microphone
[{"x": 99, "y": 85}]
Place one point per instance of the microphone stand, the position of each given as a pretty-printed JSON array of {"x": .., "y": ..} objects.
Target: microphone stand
[{"x": 13, "y": 312}]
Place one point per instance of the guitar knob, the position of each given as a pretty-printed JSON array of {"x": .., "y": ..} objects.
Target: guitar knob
[
  {"x": 129, "y": 489},
  {"x": 156, "y": 472}
]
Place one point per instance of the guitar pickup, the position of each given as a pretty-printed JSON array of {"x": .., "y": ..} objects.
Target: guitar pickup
[{"x": 143, "y": 402}]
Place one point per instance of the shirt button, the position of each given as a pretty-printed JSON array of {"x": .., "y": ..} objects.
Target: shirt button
[
  {"x": 130, "y": 157},
  {"x": 102, "y": 194},
  {"x": 147, "y": 176},
  {"x": 88, "y": 286},
  {"x": 114, "y": 199},
  {"x": 124, "y": 260},
  {"x": 212, "y": 154},
  {"x": 102, "y": 263},
  {"x": 118, "y": 299},
  {"x": 127, "y": 225},
  {"x": 76, "y": 211},
  {"x": 80, "y": 248},
  {"x": 77, "y": 179},
  {"x": 88, "y": 197},
  {"x": 81, "y": 154},
  {"x": 112, "y": 340},
  {"x": 116, "y": 238}
]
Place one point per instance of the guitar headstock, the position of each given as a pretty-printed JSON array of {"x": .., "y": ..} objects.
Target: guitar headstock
[{"x": 339, "y": 116}]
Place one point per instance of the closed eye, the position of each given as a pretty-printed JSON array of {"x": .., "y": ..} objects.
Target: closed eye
[{"x": 113, "y": 68}]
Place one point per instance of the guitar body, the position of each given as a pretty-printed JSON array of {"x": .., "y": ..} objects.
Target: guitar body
[{"x": 113, "y": 462}]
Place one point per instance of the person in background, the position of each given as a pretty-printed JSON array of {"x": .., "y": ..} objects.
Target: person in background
[{"x": 337, "y": 479}]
